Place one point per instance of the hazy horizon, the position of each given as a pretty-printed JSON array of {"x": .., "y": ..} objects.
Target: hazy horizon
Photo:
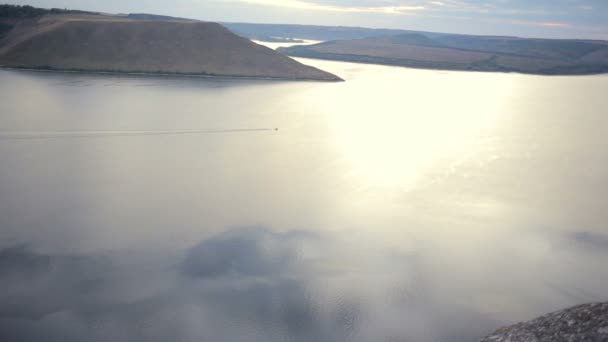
[{"x": 577, "y": 19}]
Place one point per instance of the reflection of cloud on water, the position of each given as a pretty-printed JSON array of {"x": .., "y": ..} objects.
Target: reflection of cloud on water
[
  {"x": 249, "y": 278},
  {"x": 592, "y": 240},
  {"x": 62, "y": 298},
  {"x": 35, "y": 285},
  {"x": 248, "y": 252},
  {"x": 242, "y": 285}
]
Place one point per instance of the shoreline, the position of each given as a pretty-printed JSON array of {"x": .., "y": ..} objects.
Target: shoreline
[
  {"x": 162, "y": 74},
  {"x": 396, "y": 64},
  {"x": 585, "y": 322}
]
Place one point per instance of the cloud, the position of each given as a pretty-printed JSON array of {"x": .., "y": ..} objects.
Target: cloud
[
  {"x": 554, "y": 24},
  {"x": 443, "y": 7},
  {"x": 537, "y": 23},
  {"x": 346, "y": 8}
]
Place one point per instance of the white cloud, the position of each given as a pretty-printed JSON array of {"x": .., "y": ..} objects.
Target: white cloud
[{"x": 305, "y": 5}]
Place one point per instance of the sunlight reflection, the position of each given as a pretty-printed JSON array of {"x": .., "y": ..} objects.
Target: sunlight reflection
[{"x": 393, "y": 133}]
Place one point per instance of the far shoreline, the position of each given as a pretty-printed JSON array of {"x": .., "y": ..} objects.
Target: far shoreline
[{"x": 396, "y": 64}]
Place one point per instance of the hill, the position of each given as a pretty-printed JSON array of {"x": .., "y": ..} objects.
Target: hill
[
  {"x": 155, "y": 17},
  {"x": 17, "y": 11},
  {"x": 474, "y": 53},
  {"x": 271, "y": 32},
  {"x": 93, "y": 42}
]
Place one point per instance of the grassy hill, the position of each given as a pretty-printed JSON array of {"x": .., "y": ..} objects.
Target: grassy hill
[
  {"x": 92, "y": 42},
  {"x": 475, "y": 53},
  {"x": 436, "y": 50},
  {"x": 270, "y": 32}
]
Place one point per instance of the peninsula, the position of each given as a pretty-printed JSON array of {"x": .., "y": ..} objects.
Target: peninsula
[
  {"x": 82, "y": 41},
  {"x": 467, "y": 53},
  {"x": 443, "y": 51}
]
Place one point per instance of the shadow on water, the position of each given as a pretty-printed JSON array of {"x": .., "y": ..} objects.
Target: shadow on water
[
  {"x": 87, "y": 79},
  {"x": 249, "y": 284}
]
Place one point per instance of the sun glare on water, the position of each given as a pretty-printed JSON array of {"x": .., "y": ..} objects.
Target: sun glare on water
[{"x": 390, "y": 135}]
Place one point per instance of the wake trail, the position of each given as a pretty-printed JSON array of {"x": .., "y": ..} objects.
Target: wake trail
[{"x": 16, "y": 135}]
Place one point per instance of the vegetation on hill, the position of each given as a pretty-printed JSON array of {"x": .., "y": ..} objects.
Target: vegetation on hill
[
  {"x": 22, "y": 12},
  {"x": 4, "y": 29},
  {"x": 473, "y": 53},
  {"x": 271, "y": 32},
  {"x": 541, "y": 48},
  {"x": 155, "y": 17}
]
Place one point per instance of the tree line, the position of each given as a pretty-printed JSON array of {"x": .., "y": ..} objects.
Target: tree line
[{"x": 26, "y": 11}]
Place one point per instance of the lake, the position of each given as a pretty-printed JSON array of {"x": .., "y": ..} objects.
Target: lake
[{"x": 400, "y": 205}]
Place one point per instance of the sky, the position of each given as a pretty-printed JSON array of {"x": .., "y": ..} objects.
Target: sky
[{"x": 538, "y": 18}]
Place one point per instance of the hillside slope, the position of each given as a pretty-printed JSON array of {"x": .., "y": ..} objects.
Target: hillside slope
[
  {"x": 270, "y": 32},
  {"x": 118, "y": 44},
  {"x": 475, "y": 53}
]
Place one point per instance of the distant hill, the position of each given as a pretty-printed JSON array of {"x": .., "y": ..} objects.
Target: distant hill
[
  {"x": 270, "y": 32},
  {"x": 435, "y": 50},
  {"x": 155, "y": 17},
  {"x": 92, "y": 42},
  {"x": 474, "y": 53}
]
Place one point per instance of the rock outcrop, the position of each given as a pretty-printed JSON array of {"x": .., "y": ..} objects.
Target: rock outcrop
[{"x": 583, "y": 323}]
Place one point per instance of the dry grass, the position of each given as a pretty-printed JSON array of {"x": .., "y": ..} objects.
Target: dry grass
[
  {"x": 107, "y": 43},
  {"x": 399, "y": 51},
  {"x": 520, "y": 55}
]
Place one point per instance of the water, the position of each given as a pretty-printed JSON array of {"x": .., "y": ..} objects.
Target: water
[
  {"x": 275, "y": 46},
  {"x": 401, "y": 205}
]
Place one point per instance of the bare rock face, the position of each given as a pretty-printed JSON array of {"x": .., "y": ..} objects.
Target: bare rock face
[{"x": 583, "y": 323}]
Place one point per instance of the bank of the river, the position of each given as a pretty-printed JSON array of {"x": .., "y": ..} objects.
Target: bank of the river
[{"x": 588, "y": 322}]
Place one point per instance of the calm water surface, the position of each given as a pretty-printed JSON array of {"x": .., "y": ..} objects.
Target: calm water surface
[{"x": 401, "y": 205}]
